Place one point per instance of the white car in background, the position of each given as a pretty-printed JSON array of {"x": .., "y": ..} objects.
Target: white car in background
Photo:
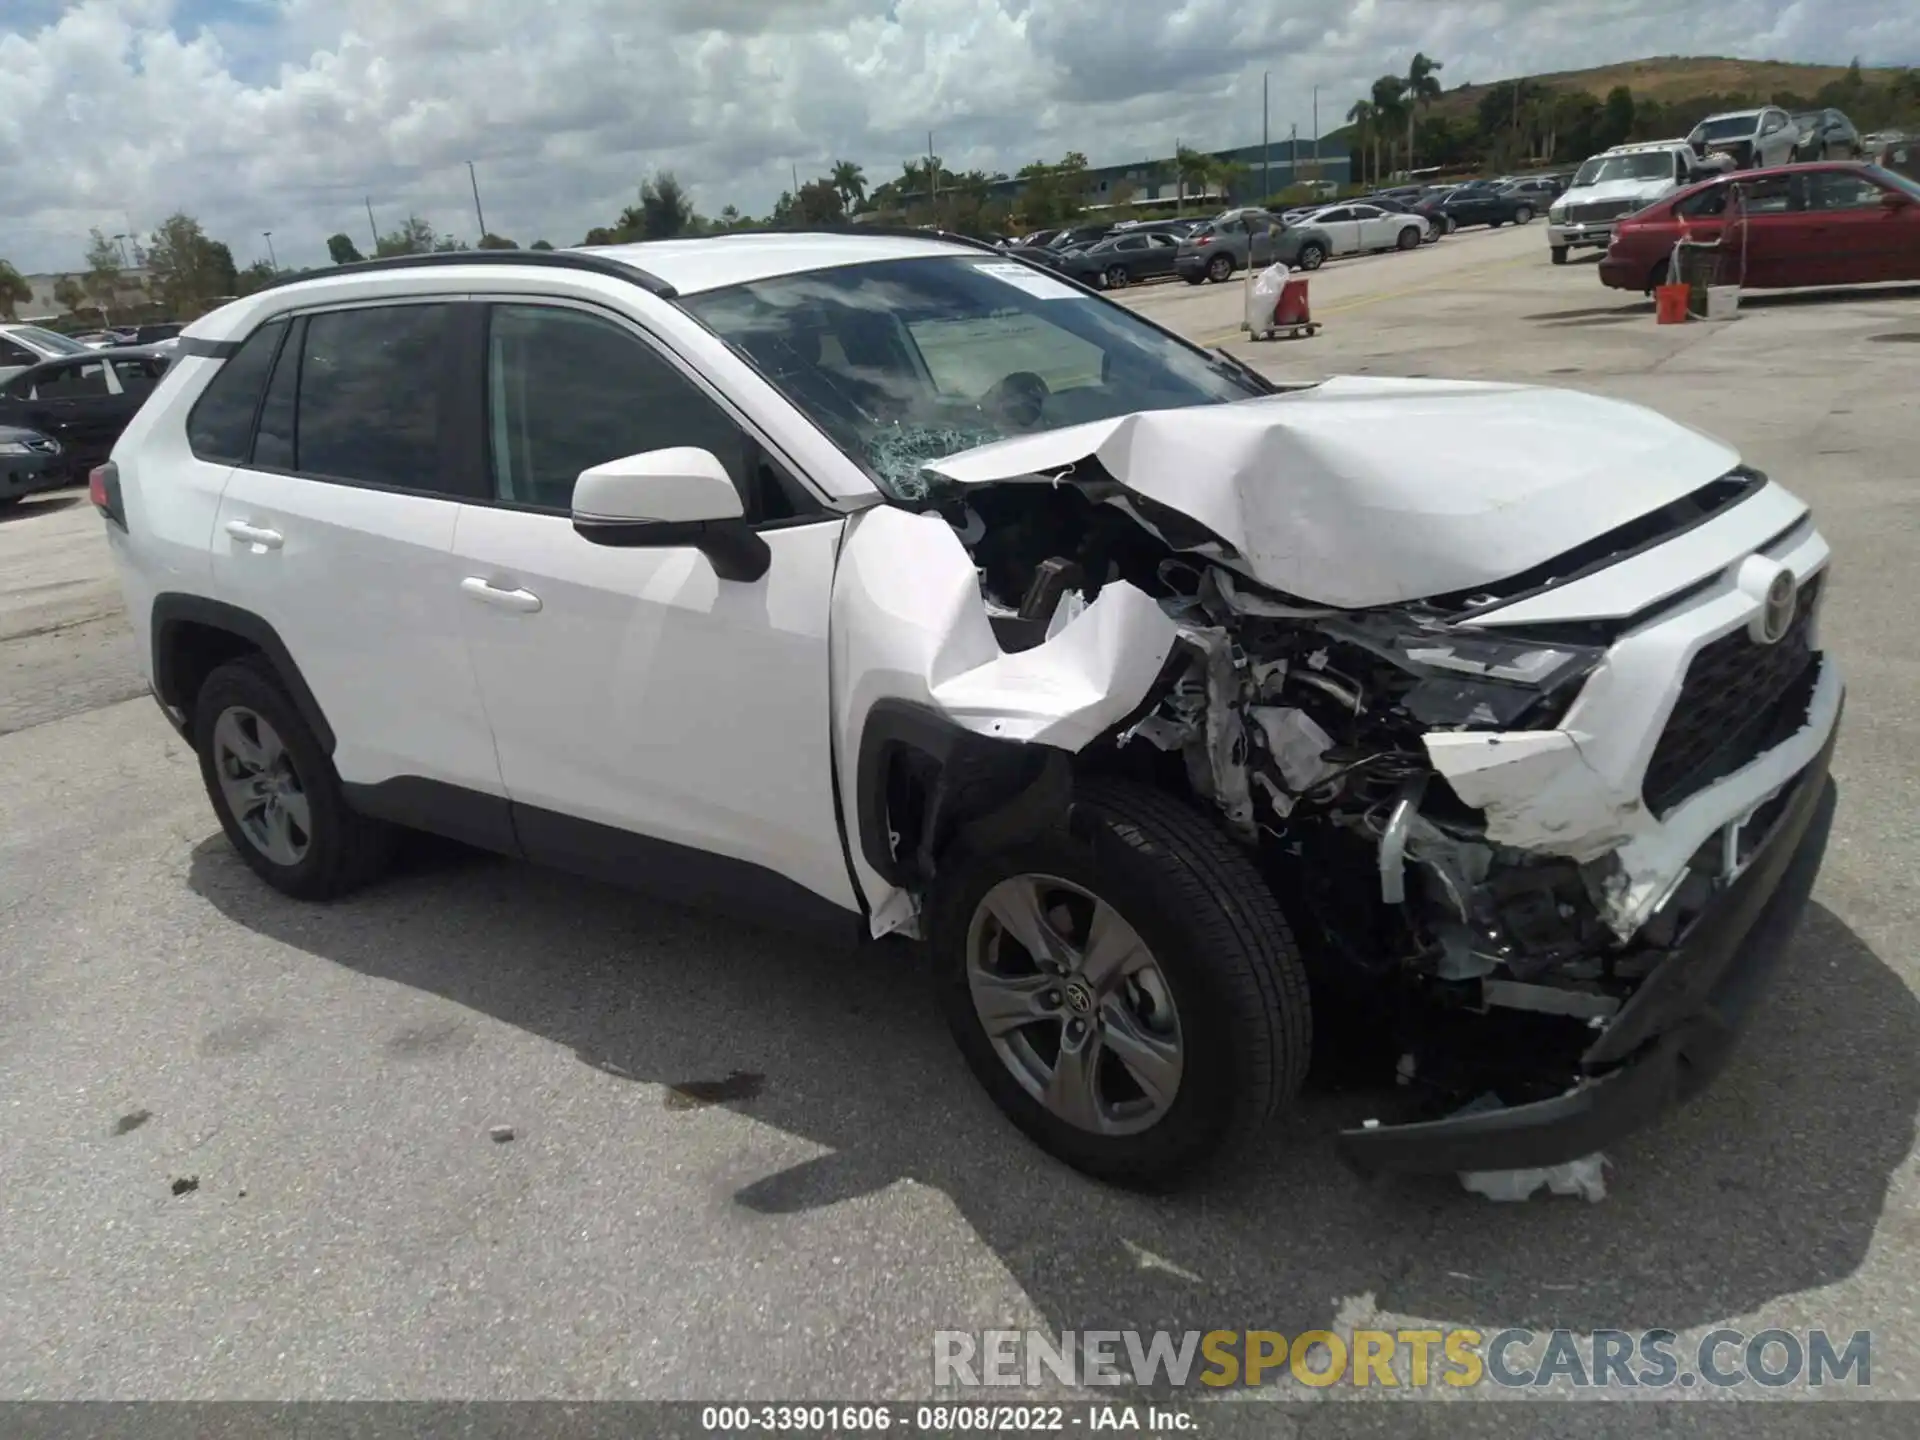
[
  {"x": 25, "y": 345},
  {"x": 1357, "y": 228}
]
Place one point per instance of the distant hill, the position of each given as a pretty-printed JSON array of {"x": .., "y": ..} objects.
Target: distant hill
[{"x": 1670, "y": 78}]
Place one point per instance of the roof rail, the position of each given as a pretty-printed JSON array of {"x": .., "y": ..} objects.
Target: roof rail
[
  {"x": 908, "y": 232},
  {"x": 538, "y": 259}
]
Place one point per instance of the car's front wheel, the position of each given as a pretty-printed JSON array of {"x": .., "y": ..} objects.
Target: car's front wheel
[
  {"x": 275, "y": 791},
  {"x": 1409, "y": 238},
  {"x": 1220, "y": 268},
  {"x": 1125, "y": 988},
  {"x": 1117, "y": 277},
  {"x": 1523, "y": 215},
  {"x": 1312, "y": 255}
]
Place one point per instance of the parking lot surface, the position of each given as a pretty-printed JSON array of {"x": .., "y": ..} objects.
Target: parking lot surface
[{"x": 746, "y": 1166}]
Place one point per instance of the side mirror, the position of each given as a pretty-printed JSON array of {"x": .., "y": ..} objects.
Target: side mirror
[{"x": 681, "y": 496}]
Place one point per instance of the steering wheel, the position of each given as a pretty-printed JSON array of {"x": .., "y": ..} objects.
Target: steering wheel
[{"x": 1019, "y": 399}]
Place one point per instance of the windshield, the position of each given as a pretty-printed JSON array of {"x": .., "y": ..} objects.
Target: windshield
[
  {"x": 902, "y": 362},
  {"x": 1895, "y": 179},
  {"x": 1730, "y": 127},
  {"x": 1646, "y": 165},
  {"x": 50, "y": 341}
]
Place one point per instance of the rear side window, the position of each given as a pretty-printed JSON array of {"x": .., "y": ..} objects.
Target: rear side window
[
  {"x": 220, "y": 424},
  {"x": 137, "y": 377},
  {"x": 79, "y": 381},
  {"x": 369, "y": 395}
]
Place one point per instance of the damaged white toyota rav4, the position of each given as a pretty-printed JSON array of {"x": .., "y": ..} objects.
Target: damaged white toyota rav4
[{"x": 882, "y": 576}]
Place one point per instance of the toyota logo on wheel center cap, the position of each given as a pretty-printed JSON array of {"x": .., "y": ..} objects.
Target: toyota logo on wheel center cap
[{"x": 1079, "y": 997}]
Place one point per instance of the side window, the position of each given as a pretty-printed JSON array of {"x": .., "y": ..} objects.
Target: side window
[
  {"x": 80, "y": 380},
  {"x": 137, "y": 377},
  {"x": 12, "y": 354},
  {"x": 1841, "y": 190},
  {"x": 220, "y": 424},
  {"x": 1772, "y": 196},
  {"x": 273, "y": 443},
  {"x": 1133, "y": 242},
  {"x": 1708, "y": 202},
  {"x": 369, "y": 395},
  {"x": 567, "y": 391}
]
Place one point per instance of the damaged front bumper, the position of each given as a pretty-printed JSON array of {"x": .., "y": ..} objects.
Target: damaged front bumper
[{"x": 1668, "y": 1041}]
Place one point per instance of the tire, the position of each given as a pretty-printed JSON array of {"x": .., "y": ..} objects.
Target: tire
[
  {"x": 1312, "y": 255},
  {"x": 1220, "y": 268},
  {"x": 1451, "y": 224},
  {"x": 1523, "y": 215},
  {"x": 1217, "y": 951},
  {"x": 1495, "y": 224},
  {"x": 1409, "y": 238},
  {"x": 1559, "y": 254},
  {"x": 342, "y": 850},
  {"x": 1117, "y": 278},
  {"x": 1194, "y": 279}
]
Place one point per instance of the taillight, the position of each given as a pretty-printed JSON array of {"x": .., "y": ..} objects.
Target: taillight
[
  {"x": 103, "y": 488},
  {"x": 1203, "y": 239}
]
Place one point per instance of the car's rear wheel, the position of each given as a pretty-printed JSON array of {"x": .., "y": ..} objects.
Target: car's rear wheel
[
  {"x": 275, "y": 791},
  {"x": 1196, "y": 278},
  {"x": 1523, "y": 215},
  {"x": 1559, "y": 254},
  {"x": 1117, "y": 277},
  {"x": 1220, "y": 267},
  {"x": 1312, "y": 255},
  {"x": 1125, "y": 987},
  {"x": 1409, "y": 238}
]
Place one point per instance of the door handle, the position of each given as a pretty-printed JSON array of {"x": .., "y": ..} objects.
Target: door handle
[
  {"x": 525, "y": 601},
  {"x": 255, "y": 535}
]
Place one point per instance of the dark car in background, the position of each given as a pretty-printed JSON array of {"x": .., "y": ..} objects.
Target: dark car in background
[
  {"x": 1426, "y": 207},
  {"x": 1121, "y": 258},
  {"x": 1826, "y": 135},
  {"x": 1483, "y": 203},
  {"x": 83, "y": 401},
  {"x": 29, "y": 463},
  {"x": 1538, "y": 190}
]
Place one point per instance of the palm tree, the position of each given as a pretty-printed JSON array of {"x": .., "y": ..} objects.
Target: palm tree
[
  {"x": 1363, "y": 118},
  {"x": 1388, "y": 107},
  {"x": 1191, "y": 167},
  {"x": 1422, "y": 90},
  {"x": 851, "y": 181}
]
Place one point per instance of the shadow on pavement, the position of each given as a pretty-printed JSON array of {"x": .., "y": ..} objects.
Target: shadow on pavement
[
  {"x": 1769, "y": 1184},
  {"x": 43, "y": 503}
]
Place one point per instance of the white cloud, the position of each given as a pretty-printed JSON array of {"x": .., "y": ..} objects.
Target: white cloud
[{"x": 284, "y": 114}]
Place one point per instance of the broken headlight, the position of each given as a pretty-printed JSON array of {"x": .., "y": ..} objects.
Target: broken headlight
[{"x": 1481, "y": 681}]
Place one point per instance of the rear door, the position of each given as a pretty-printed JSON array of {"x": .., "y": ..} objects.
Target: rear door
[
  {"x": 1342, "y": 229},
  {"x": 337, "y": 529}
]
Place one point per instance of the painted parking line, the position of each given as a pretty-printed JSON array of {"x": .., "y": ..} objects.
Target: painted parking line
[{"x": 1341, "y": 307}]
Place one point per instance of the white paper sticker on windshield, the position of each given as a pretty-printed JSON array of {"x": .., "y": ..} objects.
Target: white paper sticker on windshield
[{"x": 1031, "y": 281}]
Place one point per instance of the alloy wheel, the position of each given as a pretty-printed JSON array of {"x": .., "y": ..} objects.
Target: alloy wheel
[
  {"x": 1074, "y": 1004},
  {"x": 261, "y": 787}
]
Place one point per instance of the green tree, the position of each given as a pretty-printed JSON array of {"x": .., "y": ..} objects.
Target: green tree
[
  {"x": 666, "y": 210},
  {"x": 491, "y": 241},
  {"x": 185, "y": 269},
  {"x": 1366, "y": 132},
  {"x": 541, "y": 245},
  {"x": 342, "y": 249},
  {"x": 1420, "y": 92},
  {"x": 414, "y": 237},
  {"x": 69, "y": 294},
  {"x": 1391, "y": 109},
  {"x": 819, "y": 202},
  {"x": 14, "y": 290},
  {"x": 1192, "y": 170},
  {"x": 1616, "y": 122},
  {"x": 256, "y": 276},
  {"x": 102, "y": 281},
  {"x": 851, "y": 181}
]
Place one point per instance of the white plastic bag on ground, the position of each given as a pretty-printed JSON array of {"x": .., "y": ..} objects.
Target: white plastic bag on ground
[
  {"x": 1264, "y": 298},
  {"x": 1584, "y": 1177}
]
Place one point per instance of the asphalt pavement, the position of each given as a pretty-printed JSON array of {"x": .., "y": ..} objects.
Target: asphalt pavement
[{"x": 248, "y": 1146}]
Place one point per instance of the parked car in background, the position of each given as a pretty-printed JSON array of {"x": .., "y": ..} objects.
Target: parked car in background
[
  {"x": 154, "y": 334},
  {"x": 1835, "y": 224},
  {"x": 1539, "y": 191},
  {"x": 1754, "y": 139},
  {"x": 1893, "y": 150},
  {"x": 29, "y": 463},
  {"x": 1120, "y": 259},
  {"x": 1356, "y": 227},
  {"x": 1034, "y": 239},
  {"x": 1613, "y": 183},
  {"x": 1826, "y": 135},
  {"x": 1427, "y": 210},
  {"x": 1473, "y": 205},
  {"x": 84, "y": 401},
  {"x": 1222, "y": 246},
  {"x": 24, "y": 345},
  {"x": 97, "y": 339},
  {"x": 1175, "y": 228}
]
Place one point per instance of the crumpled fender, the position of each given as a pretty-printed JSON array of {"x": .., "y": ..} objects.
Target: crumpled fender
[{"x": 908, "y": 624}]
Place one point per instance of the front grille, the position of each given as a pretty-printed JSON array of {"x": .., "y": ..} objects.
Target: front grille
[
  {"x": 1740, "y": 699},
  {"x": 1588, "y": 211}
]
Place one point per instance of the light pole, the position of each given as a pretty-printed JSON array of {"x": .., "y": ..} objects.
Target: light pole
[
  {"x": 1266, "y": 156},
  {"x": 372, "y": 229},
  {"x": 1316, "y": 132},
  {"x": 121, "y": 240},
  {"x": 267, "y": 235},
  {"x": 478, "y": 214}
]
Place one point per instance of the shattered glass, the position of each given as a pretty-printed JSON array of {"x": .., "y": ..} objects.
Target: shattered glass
[{"x": 896, "y": 455}]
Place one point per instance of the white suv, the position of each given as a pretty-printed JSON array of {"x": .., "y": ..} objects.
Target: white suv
[{"x": 891, "y": 579}]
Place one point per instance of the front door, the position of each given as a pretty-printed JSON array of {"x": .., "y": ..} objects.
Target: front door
[
  {"x": 653, "y": 720},
  {"x": 337, "y": 529},
  {"x": 1864, "y": 238},
  {"x": 75, "y": 402},
  {"x": 1342, "y": 229}
]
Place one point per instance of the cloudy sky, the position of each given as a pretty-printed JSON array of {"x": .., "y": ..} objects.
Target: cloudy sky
[{"x": 282, "y": 115}]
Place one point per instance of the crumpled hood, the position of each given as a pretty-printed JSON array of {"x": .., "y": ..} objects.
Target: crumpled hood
[{"x": 1363, "y": 491}]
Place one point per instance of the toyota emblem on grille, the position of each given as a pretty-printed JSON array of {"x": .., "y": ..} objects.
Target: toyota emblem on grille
[{"x": 1776, "y": 613}]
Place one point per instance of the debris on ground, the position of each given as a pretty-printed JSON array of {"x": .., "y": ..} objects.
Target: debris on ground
[
  {"x": 1584, "y": 1177},
  {"x": 131, "y": 1121},
  {"x": 501, "y": 1134},
  {"x": 693, "y": 1094},
  {"x": 186, "y": 1184}
]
